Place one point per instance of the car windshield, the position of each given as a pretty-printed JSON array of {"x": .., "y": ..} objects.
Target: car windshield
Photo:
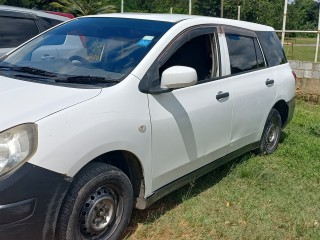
[{"x": 91, "y": 50}]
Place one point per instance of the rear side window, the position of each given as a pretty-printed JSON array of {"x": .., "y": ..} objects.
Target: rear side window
[
  {"x": 242, "y": 53},
  {"x": 272, "y": 48},
  {"x": 14, "y": 31}
]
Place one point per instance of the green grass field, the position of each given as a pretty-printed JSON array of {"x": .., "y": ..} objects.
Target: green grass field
[
  {"x": 300, "y": 53},
  {"x": 301, "y": 40},
  {"x": 253, "y": 197}
]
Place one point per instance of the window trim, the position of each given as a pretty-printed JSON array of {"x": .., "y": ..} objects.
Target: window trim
[
  {"x": 264, "y": 57},
  {"x": 238, "y": 31}
]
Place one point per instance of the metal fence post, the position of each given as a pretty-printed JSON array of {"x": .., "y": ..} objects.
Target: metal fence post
[
  {"x": 122, "y": 6},
  {"x": 221, "y": 9},
  {"x": 317, "y": 47},
  {"x": 284, "y": 21}
]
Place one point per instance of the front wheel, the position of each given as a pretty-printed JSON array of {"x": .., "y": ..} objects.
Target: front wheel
[
  {"x": 97, "y": 206},
  {"x": 271, "y": 133}
]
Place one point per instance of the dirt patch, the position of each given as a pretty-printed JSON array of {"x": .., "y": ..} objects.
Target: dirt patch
[{"x": 308, "y": 96}]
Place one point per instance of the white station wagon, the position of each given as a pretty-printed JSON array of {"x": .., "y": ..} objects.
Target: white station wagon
[{"x": 105, "y": 113}]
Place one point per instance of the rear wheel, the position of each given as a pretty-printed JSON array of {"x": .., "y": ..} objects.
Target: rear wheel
[
  {"x": 98, "y": 205},
  {"x": 271, "y": 133}
]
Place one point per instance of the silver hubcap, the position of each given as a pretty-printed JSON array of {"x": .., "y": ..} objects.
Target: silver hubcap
[
  {"x": 98, "y": 212},
  {"x": 101, "y": 214},
  {"x": 272, "y": 135}
]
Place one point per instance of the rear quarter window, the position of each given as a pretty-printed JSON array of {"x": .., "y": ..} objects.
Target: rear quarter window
[{"x": 272, "y": 48}]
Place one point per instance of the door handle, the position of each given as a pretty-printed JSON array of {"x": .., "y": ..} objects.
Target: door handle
[
  {"x": 222, "y": 95},
  {"x": 269, "y": 82}
]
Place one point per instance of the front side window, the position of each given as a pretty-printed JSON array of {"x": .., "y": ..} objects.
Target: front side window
[
  {"x": 242, "y": 53},
  {"x": 15, "y": 31},
  {"x": 199, "y": 53},
  {"x": 87, "y": 50}
]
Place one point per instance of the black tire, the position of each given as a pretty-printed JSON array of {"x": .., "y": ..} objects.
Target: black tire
[
  {"x": 271, "y": 133},
  {"x": 98, "y": 205}
]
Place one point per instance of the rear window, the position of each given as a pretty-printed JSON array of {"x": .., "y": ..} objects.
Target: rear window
[
  {"x": 15, "y": 31},
  {"x": 272, "y": 48}
]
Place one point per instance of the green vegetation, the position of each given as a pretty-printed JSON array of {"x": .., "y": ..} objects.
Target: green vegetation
[
  {"x": 300, "y": 40},
  {"x": 253, "y": 197},
  {"x": 83, "y": 7},
  {"x": 300, "y": 48},
  {"x": 300, "y": 53}
]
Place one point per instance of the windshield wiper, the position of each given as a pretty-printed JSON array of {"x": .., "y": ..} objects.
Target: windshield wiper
[
  {"x": 86, "y": 80},
  {"x": 30, "y": 70},
  {"x": 33, "y": 70}
]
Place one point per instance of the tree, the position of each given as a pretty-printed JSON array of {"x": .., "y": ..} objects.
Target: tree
[
  {"x": 303, "y": 15},
  {"x": 37, "y": 4},
  {"x": 84, "y": 7},
  {"x": 208, "y": 7}
]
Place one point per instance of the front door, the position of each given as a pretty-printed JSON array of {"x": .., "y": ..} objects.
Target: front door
[{"x": 191, "y": 126}]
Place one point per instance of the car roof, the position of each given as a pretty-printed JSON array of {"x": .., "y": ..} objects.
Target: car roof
[
  {"x": 4, "y": 8},
  {"x": 175, "y": 18}
]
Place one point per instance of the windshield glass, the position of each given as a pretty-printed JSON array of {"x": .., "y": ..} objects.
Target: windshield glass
[{"x": 89, "y": 50}]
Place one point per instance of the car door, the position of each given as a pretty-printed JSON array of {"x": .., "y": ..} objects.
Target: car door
[
  {"x": 253, "y": 87},
  {"x": 191, "y": 126}
]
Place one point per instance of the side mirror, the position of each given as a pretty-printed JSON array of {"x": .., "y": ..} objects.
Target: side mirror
[{"x": 178, "y": 77}]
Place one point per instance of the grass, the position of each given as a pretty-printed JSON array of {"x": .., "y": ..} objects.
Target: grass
[
  {"x": 300, "y": 53},
  {"x": 301, "y": 40},
  {"x": 253, "y": 197}
]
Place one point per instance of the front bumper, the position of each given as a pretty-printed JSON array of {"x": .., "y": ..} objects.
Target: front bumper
[{"x": 30, "y": 200}]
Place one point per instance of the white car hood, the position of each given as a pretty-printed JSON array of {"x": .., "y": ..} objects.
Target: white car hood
[{"x": 22, "y": 101}]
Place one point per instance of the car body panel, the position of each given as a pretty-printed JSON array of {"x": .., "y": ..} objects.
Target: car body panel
[
  {"x": 190, "y": 128},
  {"x": 95, "y": 127},
  {"x": 24, "y": 102}
]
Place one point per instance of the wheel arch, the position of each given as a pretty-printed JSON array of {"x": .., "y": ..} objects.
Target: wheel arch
[
  {"x": 282, "y": 107},
  {"x": 127, "y": 162}
]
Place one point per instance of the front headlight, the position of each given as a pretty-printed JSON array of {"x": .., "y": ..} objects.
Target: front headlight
[{"x": 17, "y": 145}]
